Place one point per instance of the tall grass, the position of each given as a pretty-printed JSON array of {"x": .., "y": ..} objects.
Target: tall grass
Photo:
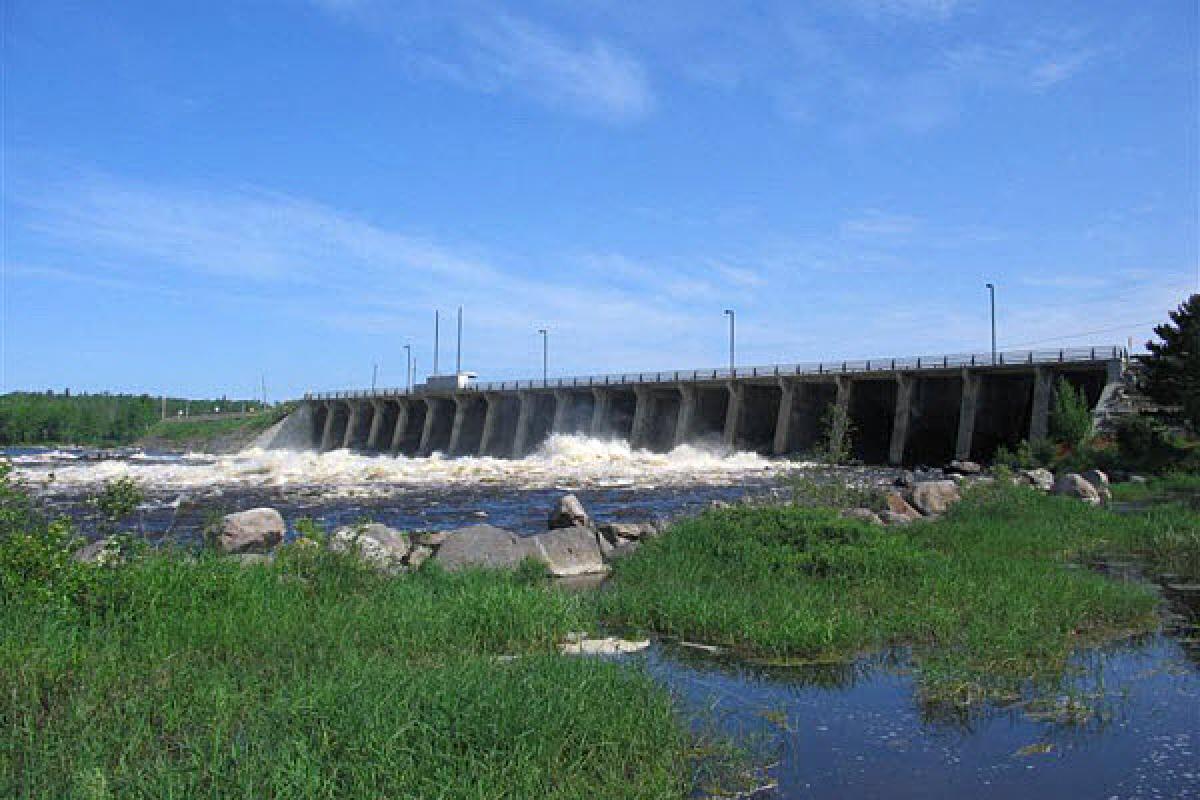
[
  {"x": 312, "y": 678},
  {"x": 988, "y": 596}
]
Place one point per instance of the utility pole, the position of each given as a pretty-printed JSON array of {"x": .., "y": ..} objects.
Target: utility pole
[
  {"x": 262, "y": 384},
  {"x": 437, "y": 323},
  {"x": 992, "y": 293},
  {"x": 732, "y": 369},
  {"x": 164, "y": 406},
  {"x": 408, "y": 373},
  {"x": 458, "y": 352},
  {"x": 545, "y": 354},
  {"x": 374, "y": 375}
]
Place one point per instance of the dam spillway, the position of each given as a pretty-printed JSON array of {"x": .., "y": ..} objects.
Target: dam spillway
[{"x": 926, "y": 409}]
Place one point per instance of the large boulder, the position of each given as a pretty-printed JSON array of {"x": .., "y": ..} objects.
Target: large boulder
[
  {"x": 614, "y": 532},
  {"x": 963, "y": 467},
  {"x": 253, "y": 531},
  {"x": 934, "y": 497},
  {"x": 378, "y": 545},
  {"x": 898, "y": 506},
  {"x": 569, "y": 513},
  {"x": 1072, "y": 484},
  {"x": 480, "y": 546},
  {"x": 1040, "y": 479},
  {"x": 567, "y": 551},
  {"x": 1099, "y": 481}
]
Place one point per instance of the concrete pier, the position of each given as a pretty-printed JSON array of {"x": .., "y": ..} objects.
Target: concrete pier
[{"x": 900, "y": 411}]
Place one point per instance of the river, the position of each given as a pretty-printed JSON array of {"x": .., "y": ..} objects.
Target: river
[{"x": 849, "y": 730}]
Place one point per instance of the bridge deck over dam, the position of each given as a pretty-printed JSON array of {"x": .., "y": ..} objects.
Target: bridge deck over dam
[{"x": 925, "y": 409}]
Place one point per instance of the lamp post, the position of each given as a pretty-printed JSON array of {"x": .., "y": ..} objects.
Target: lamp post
[
  {"x": 729, "y": 313},
  {"x": 545, "y": 354},
  {"x": 374, "y": 375},
  {"x": 408, "y": 368},
  {"x": 992, "y": 294}
]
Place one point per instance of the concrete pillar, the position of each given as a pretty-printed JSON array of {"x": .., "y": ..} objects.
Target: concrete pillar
[
  {"x": 905, "y": 386},
  {"x": 1043, "y": 390},
  {"x": 733, "y": 414},
  {"x": 562, "y": 411},
  {"x": 425, "y": 448},
  {"x": 356, "y": 410},
  {"x": 401, "y": 429},
  {"x": 642, "y": 417},
  {"x": 783, "y": 423},
  {"x": 687, "y": 413},
  {"x": 967, "y": 410},
  {"x": 524, "y": 421},
  {"x": 327, "y": 434},
  {"x": 600, "y": 411},
  {"x": 491, "y": 418},
  {"x": 842, "y": 404},
  {"x": 377, "y": 418},
  {"x": 461, "y": 405}
]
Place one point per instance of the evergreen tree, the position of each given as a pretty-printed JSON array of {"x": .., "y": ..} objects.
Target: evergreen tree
[{"x": 1172, "y": 370}]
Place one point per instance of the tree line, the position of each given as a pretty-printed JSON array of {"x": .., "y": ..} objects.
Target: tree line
[{"x": 35, "y": 418}]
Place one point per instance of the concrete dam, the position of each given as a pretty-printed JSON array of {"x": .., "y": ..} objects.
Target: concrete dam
[{"x": 922, "y": 410}]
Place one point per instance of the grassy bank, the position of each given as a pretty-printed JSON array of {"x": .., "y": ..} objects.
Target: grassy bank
[
  {"x": 314, "y": 678},
  {"x": 229, "y": 433},
  {"x": 988, "y": 596}
]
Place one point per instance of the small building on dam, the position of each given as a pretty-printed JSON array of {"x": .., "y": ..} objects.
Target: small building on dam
[{"x": 900, "y": 411}]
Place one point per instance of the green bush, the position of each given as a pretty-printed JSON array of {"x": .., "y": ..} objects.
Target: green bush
[{"x": 1071, "y": 417}]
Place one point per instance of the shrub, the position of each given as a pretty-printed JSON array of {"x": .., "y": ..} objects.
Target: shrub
[{"x": 1071, "y": 417}]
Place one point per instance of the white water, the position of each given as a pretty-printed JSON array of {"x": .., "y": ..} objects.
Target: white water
[{"x": 566, "y": 461}]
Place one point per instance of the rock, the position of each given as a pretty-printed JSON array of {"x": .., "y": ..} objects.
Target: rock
[
  {"x": 862, "y": 515},
  {"x": 896, "y": 504},
  {"x": 905, "y": 479},
  {"x": 634, "y": 531},
  {"x": 890, "y": 517},
  {"x": 624, "y": 548},
  {"x": 1072, "y": 484},
  {"x": 480, "y": 546},
  {"x": 429, "y": 538},
  {"x": 606, "y": 546},
  {"x": 569, "y": 513},
  {"x": 253, "y": 559},
  {"x": 253, "y": 531},
  {"x": 1040, "y": 479},
  {"x": 1099, "y": 482},
  {"x": 957, "y": 467},
  {"x": 102, "y": 551},
  {"x": 418, "y": 556},
  {"x": 377, "y": 545},
  {"x": 608, "y": 646},
  {"x": 934, "y": 497},
  {"x": 567, "y": 551}
]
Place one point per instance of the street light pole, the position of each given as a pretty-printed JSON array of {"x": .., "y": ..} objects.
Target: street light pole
[
  {"x": 729, "y": 313},
  {"x": 408, "y": 368},
  {"x": 374, "y": 375},
  {"x": 545, "y": 354},
  {"x": 992, "y": 294}
]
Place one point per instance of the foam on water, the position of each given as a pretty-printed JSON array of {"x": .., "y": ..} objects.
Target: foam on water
[{"x": 563, "y": 460}]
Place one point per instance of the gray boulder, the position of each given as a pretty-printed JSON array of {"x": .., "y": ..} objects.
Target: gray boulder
[
  {"x": 102, "y": 551},
  {"x": 1072, "y": 484},
  {"x": 934, "y": 497},
  {"x": 892, "y": 518},
  {"x": 418, "y": 556},
  {"x": 633, "y": 531},
  {"x": 377, "y": 545},
  {"x": 253, "y": 531},
  {"x": 960, "y": 467},
  {"x": 897, "y": 505},
  {"x": 483, "y": 546},
  {"x": 429, "y": 538},
  {"x": 1099, "y": 481},
  {"x": 569, "y": 513},
  {"x": 567, "y": 551},
  {"x": 1040, "y": 479}
]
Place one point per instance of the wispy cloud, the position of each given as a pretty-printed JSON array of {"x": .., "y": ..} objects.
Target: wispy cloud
[
  {"x": 485, "y": 49},
  {"x": 913, "y": 9},
  {"x": 878, "y": 223}
]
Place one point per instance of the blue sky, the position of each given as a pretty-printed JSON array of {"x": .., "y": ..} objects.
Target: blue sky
[{"x": 195, "y": 194}]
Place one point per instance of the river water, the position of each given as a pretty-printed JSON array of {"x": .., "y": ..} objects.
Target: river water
[{"x": 841, "y": 731}]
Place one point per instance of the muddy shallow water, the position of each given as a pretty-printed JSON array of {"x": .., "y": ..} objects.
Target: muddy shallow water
[{"x": 841, "y": 731}]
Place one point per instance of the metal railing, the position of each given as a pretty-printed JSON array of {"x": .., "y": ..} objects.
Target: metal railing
[{"x": 1012, "y": 358}]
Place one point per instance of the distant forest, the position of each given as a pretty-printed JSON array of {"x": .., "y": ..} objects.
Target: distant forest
[{"x": 34, "y": 418}]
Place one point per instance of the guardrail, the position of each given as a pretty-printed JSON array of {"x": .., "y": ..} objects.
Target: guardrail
[{"x": 1010, "y": 358}]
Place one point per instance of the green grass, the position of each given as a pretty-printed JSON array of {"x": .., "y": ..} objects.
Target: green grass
[
  {"x": 179, "y": 431},
  {"x": 987, "y": 597},
  {"x": 310, "y": 678}
]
